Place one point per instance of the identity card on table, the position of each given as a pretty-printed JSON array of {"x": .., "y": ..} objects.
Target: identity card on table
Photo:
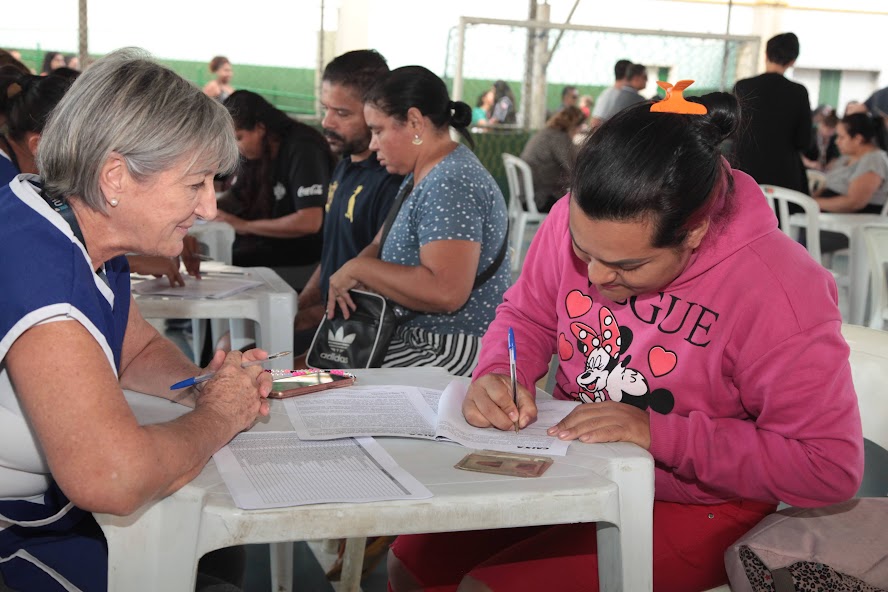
[{"x": 410, "y": 412}]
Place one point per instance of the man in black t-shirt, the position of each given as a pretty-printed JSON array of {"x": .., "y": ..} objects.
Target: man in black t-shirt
[{"x": 361, "y": 192}]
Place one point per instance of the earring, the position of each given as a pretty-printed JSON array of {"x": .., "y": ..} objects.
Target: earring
[
  {"x": 417, "y": 141},
  {"x": 114, "y": 203}
]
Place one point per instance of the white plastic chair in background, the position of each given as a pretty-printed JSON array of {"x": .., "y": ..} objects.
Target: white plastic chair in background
[
  {"x": 876, "y": 238},
  {"x": 522, "y": 208},
  {"x": 779, "y": 199}
]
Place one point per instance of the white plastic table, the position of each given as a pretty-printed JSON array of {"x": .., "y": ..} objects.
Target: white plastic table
[
  {"x": 272, "y": 306},
  {"x": 858, "y": 270},
  {"x": 158, "y": 547},
  {"x": 217, "y": 236}
]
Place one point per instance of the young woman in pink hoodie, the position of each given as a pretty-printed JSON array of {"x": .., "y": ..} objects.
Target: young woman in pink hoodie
[{"x": 690, "y": 326}]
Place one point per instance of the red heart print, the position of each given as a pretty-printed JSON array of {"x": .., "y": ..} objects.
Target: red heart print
[
  {"x": 662, "y": 361},
  {"x": 565, "y": 349},
  {"x": 578, "y": 304}
]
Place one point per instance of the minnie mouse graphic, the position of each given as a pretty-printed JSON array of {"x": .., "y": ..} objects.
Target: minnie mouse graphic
[{"x": 606, "y": 376}]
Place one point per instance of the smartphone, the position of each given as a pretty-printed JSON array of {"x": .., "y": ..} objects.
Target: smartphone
[{"x": 301, "y": 382}]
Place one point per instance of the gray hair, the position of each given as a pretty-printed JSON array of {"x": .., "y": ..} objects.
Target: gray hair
[{"x": 129, "y": 104}]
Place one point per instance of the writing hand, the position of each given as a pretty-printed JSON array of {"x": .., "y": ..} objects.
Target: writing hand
[{"x": 489, "y": 403}]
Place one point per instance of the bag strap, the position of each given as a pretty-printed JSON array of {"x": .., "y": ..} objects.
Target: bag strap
[
  {"x": 493, "y": 267},
  {"x": 405, "y": 190}
]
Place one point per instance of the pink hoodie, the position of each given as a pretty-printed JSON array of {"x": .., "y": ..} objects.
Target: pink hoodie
[{"x": 740, "y": 360}]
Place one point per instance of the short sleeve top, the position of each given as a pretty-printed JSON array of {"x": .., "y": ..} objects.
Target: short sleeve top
[
  {"x": 457, "y": 200},
  {"x": 841, "y": 175}
]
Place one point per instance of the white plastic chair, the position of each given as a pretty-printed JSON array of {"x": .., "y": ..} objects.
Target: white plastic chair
[
  {"x": 869, "y": 371},
  {"x": 875, "y": 237},
  {"x": 779, "y": 199},
  {"x": 522, "y": 208}
]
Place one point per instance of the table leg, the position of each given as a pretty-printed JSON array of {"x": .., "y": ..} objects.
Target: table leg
[
  {"x": 281, "y": 555},
  {"x": 858, "y": 270},
  {"x": 352, "y": 564}
]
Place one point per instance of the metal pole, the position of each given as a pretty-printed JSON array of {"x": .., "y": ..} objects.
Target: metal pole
[
  {"x": 82, "y": 45},
  {"x": 561, "y": 32},
  {"x": 460, "y": 56},
  {"x": 526, "y": 106},
  {"x": 320, "y": 66},
  {"x": 541, "y": 58},
  {"x": 724, "y": 75}
]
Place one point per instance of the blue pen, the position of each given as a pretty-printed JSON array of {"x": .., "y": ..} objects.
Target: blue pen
[
  {"x": 205, "y": 377},
  {"x": 513, "y": 371}
]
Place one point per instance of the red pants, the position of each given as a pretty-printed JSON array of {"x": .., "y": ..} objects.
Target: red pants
[{"x": 689, "y": 546}]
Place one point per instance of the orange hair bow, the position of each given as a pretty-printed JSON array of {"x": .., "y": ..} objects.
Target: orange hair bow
[{"x": 675, "y": 102}]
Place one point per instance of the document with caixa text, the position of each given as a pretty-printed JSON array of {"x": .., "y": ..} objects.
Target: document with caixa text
[
  {"x": 412, "y": 412},
  {"x": 277, "y": 469}
]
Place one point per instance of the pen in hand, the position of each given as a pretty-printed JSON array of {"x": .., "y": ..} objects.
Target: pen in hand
[
  {"x": 205, "y": 377},
  {"x": 513, "y": 372}
]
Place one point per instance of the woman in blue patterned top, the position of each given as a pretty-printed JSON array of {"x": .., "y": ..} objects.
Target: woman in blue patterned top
[{"x": 449, "y": 230}]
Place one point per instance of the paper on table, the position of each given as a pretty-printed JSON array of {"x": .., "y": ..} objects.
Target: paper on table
[
  {"x": 409, "y": 412},
  {"x": 208, "y": 287},
  {"x": 276, "y": 469}
]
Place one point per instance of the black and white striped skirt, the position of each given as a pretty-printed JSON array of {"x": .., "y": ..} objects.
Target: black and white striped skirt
[{"x": 412, "y": 347}]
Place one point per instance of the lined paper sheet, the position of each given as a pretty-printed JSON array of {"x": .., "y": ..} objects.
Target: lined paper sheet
[
  {"x": 207, "y": 287},
  {"x": 277, "y": 469}
]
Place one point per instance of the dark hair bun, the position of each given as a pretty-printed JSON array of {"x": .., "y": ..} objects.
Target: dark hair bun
[
  {"x": 461, "y": 114},
  {"x": 723, "y": 115}
]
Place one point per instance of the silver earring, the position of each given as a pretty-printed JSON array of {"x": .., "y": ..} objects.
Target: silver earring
[
  {"x": 114, "y": 203},
  {"x": 417, "y": 141}
]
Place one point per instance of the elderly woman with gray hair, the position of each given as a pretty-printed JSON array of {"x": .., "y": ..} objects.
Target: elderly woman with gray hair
[{"x": 127, "y": 161}]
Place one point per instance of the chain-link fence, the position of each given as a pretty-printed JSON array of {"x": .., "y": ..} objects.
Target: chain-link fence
[{"x": 484, "y": 50}]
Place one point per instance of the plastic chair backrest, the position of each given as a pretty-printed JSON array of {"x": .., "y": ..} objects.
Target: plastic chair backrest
[
  {"x": 869, "y": 369},
  {"x": 876, "y": 238},
  {"x": 781, "y": 197},
  {"x": 520, "y": 179}
]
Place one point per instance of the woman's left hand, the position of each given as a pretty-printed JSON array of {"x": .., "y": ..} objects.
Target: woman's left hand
[
  {"x": 191, "y": 256},
  {"x": 608, "y": 421},
  {"x": 340, "y": 283}
]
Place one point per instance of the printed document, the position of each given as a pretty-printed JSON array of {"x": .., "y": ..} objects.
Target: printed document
[
  {"x": 277, "y": 469},
  {"x": 411, "y": 412}
]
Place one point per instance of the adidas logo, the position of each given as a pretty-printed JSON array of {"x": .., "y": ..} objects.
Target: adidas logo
[{"x": 339, "y": 341}]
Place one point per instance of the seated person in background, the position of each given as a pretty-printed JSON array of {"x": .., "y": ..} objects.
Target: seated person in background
[
  {"x": 587, "y": 103},
  {"x": 29, "y": 102},
  {"x": 823, "y": 151},
  {"x": 858, "y": 181},
  {"x": 361, "y": 192},
  {"x": 73, "y": 62},
  {"x": 276, "y": 204},
  {"x": 570, "y": 97},
  {"x": 504, "y": 109},
  {"x": 449, "y": 229},
  {"x": 484, "y": 106},
  {"x": 69, "y": 443},
  {"x": 220, "y": 87},
  {"x": 551, "y": 153},
  {"x": 683, "y": 320}
]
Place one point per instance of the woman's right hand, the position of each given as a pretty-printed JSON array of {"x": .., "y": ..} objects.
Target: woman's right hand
[
  {"x": 239, "y": 395},
  {"x": 157, "y": 266},
  {"x": 489, "y": 403}
]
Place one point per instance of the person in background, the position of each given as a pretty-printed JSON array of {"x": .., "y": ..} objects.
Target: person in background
[
  {"x": 570, "y": 96},
  {"x": 604, "y": 104},
  {"x": 51, "y": 61},
  {"x": 858, "y": 182},
  {"x": 551, "y": 153},
  {"x": 778, "y": 120},
  {"x": 10, "y": 63},
  {"x": 450, "y": 228},
  {"x": 683, "y": 321},
  {"x": 504, "y": 109},
  {"x": 483, "y": 108},
  {"x": 220, "y": 87},
  {"x": 70, "y": 444},
  {"x": 586, "y": 105},
  {"x": 29, "y": 102},
  {"x": 361, "y": 191},
  {"x": 73, "y": 62},
  {"x": 276, "y": 205},
  {"x": 630, "y": 94},
  {"x": 823, "y": 151}
]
